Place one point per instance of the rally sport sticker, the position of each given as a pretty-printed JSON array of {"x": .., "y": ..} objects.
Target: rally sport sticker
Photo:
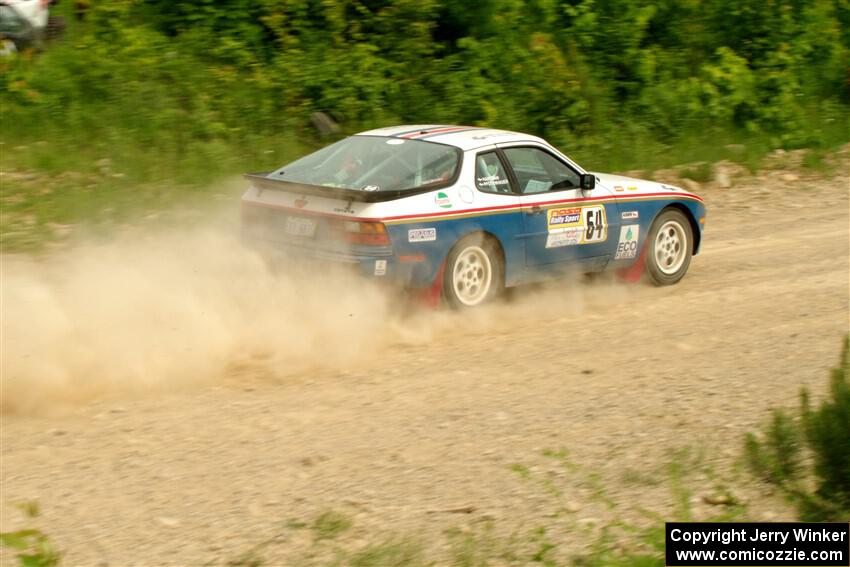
[
  {"x": 628, "y": 244},
  {"x": 570, "y": 226}
]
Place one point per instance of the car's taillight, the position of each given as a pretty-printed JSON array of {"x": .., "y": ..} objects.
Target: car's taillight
[{"x": 369, "y": 233}]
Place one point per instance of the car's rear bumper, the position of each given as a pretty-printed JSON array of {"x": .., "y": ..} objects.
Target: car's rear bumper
[{"x": 379, "y": 264}]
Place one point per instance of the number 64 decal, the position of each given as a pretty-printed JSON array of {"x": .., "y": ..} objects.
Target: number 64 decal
[{"x": 596, "y": 228}]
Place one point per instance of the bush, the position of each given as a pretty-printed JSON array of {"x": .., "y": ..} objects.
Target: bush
[
  {"x": 163, "y": 73},
  {"x": 31, "y": 547},
  {"x": 820, "y": 435}
]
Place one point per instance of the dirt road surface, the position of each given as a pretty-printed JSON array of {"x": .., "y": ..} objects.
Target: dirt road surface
[{"x": 618, "y": 376}]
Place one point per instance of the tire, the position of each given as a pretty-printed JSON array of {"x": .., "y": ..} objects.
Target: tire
[
  {"x": 670, "y": 245},
  {"x": 474, "y": 272}
]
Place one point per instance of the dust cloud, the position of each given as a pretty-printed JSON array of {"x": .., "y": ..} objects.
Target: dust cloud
[
  {"x": 166, "y": 310},
  {"x": 153, "y": 312}
]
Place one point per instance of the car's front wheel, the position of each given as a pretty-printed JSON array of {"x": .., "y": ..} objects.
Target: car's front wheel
[
  {"x": 474, "y": 273},
  {"x": 670, "y": 247}
]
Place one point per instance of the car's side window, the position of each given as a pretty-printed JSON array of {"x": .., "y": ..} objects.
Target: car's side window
[
  {"x": 538, "y": 171},
  {"x": 490, "y": 175}
]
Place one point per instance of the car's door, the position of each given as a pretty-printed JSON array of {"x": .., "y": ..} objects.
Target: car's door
[{"x": 561, "y": 223}]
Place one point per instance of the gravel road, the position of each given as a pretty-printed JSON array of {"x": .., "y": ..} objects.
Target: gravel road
[{"x": 619, "y": 377}]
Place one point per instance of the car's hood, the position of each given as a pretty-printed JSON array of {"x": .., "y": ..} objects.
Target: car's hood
[{"x": 619, "y": 183}]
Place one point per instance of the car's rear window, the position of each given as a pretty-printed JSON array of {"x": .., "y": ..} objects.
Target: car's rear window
[{"x": 375, "y": 163}]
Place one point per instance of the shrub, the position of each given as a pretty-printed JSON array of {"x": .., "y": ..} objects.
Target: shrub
[
  {"x": 31, "y": 547},
  {"x": 821, "y": 435}
]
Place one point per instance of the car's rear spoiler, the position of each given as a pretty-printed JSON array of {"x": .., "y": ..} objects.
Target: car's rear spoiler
[{"x": 262, "y": 182}]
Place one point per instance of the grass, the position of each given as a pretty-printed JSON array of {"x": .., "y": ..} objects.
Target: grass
[
  {"x": 47, "y": 193},
  {"x": 394, "y": 552},
  {"x": 53, "y": 186},
  {"x": 31, "y": 547},
  {"x": 477, "y": 543},
  {"x": 330, "y": 524},
  {"x": 699, "y": 172},
  {"x": 806, "y": 456}
]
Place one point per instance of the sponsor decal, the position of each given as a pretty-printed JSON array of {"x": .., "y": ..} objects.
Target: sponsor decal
[
  {"x": 628, "y": 215},
  {"x": 570, "y": 216},
  {"x": 595, "y": 224},
  {"x": 494, "y": 179},
  {"x": 347, "y": 210},
  {"x": 487, "y": 136},
  {"x": 632, "y": 188},
  {"x": 371, "y": 188},
  {"x": 618, "y": 188},
  {"x": 628, "y": 245},
  {"x": 421, "y": 234},
  {"x": 669, "y": 188},
  {"x": 442, "y": 201},
  {"x": 564, "y": 237},
  {"x": 380, "y": 267},
  {"x": 587, "y": 223}
]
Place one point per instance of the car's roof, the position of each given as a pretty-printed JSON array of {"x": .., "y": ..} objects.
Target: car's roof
[{"x": 463, "y": 137}]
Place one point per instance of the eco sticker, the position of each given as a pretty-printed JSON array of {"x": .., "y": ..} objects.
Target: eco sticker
[
  {"x": 628, "y": 244},
  {"x": 442, "y": 201}
]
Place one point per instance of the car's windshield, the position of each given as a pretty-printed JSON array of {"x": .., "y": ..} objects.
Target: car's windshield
[{"x": 374, "y": 163}]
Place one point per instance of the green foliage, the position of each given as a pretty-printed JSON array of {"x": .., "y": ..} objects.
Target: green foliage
[
  {"x": 698, "y": 172},
  {"x": 31, "y": 547},
  {"x": 821, "y": 492},
  {"x": 827, "y": 430},
  {"x": 604, "y": 552},
  {"x": 777, "y": 458},
  {"x": 330, "y": 524},
  {"x": 201, "y": 78},
  {"x": 390, "y": 553},
  {"x": 177, "y": 94}
]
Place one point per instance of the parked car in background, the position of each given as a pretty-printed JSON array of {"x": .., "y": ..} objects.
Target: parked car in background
[{"x": 26, "y": 23}]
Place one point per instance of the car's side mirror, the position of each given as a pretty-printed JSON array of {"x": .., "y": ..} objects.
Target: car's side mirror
[{"x": 587, "y": 182}]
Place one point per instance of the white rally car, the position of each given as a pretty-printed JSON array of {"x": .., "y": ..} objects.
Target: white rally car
[{"x": 461, "y": 212}]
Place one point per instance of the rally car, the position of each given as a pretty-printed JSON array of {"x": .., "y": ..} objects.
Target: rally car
[{"x": 462, "y": 212}]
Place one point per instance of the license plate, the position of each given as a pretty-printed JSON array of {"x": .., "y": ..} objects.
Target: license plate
[{"x": 298, "y": 226}]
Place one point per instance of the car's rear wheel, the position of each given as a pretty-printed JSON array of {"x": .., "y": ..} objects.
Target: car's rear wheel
[
  {"x": 670, "y": 247},
  {"x": 474, "y": 273}
]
